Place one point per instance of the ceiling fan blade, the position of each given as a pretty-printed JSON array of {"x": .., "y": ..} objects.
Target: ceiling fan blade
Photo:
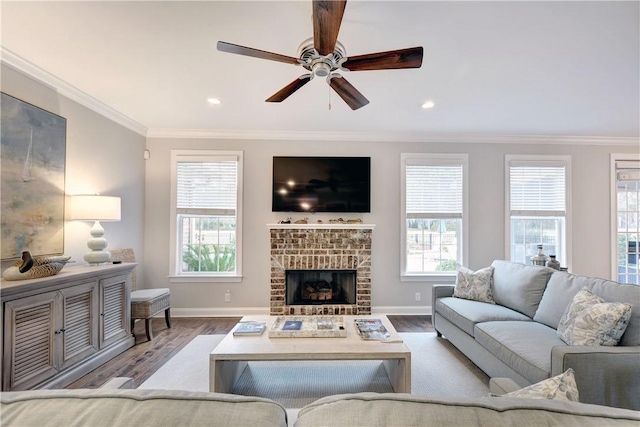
[
  {"x": 289, "y": 89},
  {"x": 256, "y": 53},
  {"x": 391, "y": 60},
  {"x": 327, "y": 17},
  {"x": 347, "y": 92}
]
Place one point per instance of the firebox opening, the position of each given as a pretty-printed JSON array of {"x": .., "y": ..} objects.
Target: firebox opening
[{"x": 304, "y": 287}]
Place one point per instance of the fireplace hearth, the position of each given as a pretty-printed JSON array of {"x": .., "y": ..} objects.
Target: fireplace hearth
[{"x": 310, "y": 254}]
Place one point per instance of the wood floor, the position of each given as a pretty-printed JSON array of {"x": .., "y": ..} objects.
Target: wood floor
[{"x": 146, "y": 357}]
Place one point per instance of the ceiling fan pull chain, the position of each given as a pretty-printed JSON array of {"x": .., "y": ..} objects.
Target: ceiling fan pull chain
[{"x": 329, "y": 98}]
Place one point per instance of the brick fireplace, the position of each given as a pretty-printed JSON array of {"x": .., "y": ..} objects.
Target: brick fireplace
[{"x": 334, "y": 247}]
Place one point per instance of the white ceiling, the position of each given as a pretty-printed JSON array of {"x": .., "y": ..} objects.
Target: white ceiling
[{"x": 492, "y": 68}]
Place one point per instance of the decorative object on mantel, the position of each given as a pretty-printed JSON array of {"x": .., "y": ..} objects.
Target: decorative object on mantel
[
  {"x": 540, "y": 258},
  {"x": 33, "y": 167},
  {"x": 35, "y": 267},
  {"x": 285, "y": 221},
  {"x": 354, "y": 221},
  {"x": 96, "y": 208},
  {"x": 336, "y": 221},
  {"x": 302, "y": 221}
]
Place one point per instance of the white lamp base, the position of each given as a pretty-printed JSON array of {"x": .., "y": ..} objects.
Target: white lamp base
[{"x": 97, "y": 244}]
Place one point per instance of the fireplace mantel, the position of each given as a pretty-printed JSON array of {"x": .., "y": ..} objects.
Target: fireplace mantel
[{"x": 340, "y": 226}]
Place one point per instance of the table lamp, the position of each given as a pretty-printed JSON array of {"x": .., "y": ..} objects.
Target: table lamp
[{"x": 96, "y": 208}]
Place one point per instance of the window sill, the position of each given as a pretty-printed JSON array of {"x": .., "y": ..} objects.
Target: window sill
[
  {"x": 204, "y": 279},
  {"x": 429, "y": 278}
]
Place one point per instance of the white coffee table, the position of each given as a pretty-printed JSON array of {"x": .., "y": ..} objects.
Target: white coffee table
[{"x": 229, "y": 359}]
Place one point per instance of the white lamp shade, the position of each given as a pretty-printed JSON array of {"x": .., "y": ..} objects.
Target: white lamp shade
[{"x": 95, "y": 208}]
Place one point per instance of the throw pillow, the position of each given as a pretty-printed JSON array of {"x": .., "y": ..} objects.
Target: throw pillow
[
  {"x": 560, "y": 387},
  {"x": 590, "y": 320},
  {"x": 474, "y": 285}
]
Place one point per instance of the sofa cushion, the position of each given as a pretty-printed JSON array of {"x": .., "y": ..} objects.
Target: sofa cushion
[
  {"x": 466, "y": 313},
  {"x": 590, "y": 320},
  {"x": 563, "y": 287},
  {"x": 560, "y": 387},
  {"x": 519, "y": 286},
  {"x": 474, "y": 285},
  {"x": 398, "y": 409},
  {"x": 523, "y": 346},
  {"x": 137, "y": 408}
]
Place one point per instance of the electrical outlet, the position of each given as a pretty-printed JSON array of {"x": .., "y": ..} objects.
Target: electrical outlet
[
  {"x": 417, "y": 296},
  {"x": 227, "y": 296}
]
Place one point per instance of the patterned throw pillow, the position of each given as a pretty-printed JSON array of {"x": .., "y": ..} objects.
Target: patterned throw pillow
[
  {"x": 590, "y": 320},
  {"x": 474, "y": 285},
  {"x": 561, "y": 387}
]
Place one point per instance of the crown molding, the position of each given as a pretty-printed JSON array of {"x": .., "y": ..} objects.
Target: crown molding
[
  {"x": 391, "y": 137},
  {"x": 33, "y": 71}
]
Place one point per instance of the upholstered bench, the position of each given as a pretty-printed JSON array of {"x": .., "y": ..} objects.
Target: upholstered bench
[{"x": 145, "y": 303}]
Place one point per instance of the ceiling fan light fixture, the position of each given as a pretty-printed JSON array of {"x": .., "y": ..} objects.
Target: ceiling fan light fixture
[{"x": 321, "y": 69}]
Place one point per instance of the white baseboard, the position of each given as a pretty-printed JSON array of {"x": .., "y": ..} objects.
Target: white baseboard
[{"x": 264, "y": 311}]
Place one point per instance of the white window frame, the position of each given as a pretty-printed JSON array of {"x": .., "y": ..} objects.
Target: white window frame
[
  {"x": 433, "y": 159},
  {"x": 197, "y": 277},
  {"x": 533, "y": 161},
  {"x": 616, "y": 157}
]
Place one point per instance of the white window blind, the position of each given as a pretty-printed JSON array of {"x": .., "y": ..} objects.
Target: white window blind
[
  {"x": 207, "y": 188},
  {"x": 537, "y": 190},
  {"x": 433, "y": 191}
]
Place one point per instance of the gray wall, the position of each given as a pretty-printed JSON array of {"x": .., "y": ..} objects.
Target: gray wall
[
  {"x": 590, "y": 193},
  {"x": 102, "y": 157}
]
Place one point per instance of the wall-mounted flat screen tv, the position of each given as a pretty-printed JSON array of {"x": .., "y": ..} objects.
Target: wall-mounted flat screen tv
[{"x": 321, "y": 184}]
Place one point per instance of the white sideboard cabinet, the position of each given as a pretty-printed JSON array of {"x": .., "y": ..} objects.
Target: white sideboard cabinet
[{"x": 59, "y": 328}]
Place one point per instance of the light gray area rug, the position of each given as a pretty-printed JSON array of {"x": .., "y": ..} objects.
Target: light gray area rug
[{"x": 437, "y": 369}]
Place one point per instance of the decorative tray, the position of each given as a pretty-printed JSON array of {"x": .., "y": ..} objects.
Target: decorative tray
[{"x": 308, "y": 327}]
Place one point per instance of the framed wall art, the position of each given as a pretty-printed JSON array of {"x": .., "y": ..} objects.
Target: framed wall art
[{"x": 33, "y": 152}]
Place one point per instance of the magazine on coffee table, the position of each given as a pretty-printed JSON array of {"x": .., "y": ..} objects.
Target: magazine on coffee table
[{"x": 372, "y": 329}]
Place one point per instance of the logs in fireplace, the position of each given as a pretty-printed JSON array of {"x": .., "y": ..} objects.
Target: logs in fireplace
[{"x": 313, "y": 287}]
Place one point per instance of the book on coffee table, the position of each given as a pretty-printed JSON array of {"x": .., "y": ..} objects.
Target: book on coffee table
[
  {"x": 250, "y": 328},
  {"x": 372, "y": 329}
]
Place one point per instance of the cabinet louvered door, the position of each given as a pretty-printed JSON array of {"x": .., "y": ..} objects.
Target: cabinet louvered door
[
  {"x": 32, "y": 330},
  {"x": 80, "y": 323},
  {"x": 114, "y": 310}
]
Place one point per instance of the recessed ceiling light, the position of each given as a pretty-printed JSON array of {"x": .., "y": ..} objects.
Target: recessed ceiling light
[
  {"x": 213, "y": 101},
  {"x": 428, "y": 104}
]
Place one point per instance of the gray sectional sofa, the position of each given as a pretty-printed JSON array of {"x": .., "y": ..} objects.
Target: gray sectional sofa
[
  {"x": 517, "y": 338},
  {"x": 139, "y": 408}
]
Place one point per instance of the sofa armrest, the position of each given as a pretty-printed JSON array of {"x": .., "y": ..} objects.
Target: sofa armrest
[
  {"x": 604, "y": 375},
  {"x": 441, "y": 291},
  {"x": 119, "y": 383},
  {"x": 502, "y": 386}
]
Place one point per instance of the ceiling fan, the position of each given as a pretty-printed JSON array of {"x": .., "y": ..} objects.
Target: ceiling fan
[{"x": 323, "y": 54}]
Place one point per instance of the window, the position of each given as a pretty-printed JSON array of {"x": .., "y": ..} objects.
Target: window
[
  {"x": 537, "y": 202},
  {"x": 434, "y": 206},
  {"x": 206, "y": 220},
  {"x": 626, "y": 214}
]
